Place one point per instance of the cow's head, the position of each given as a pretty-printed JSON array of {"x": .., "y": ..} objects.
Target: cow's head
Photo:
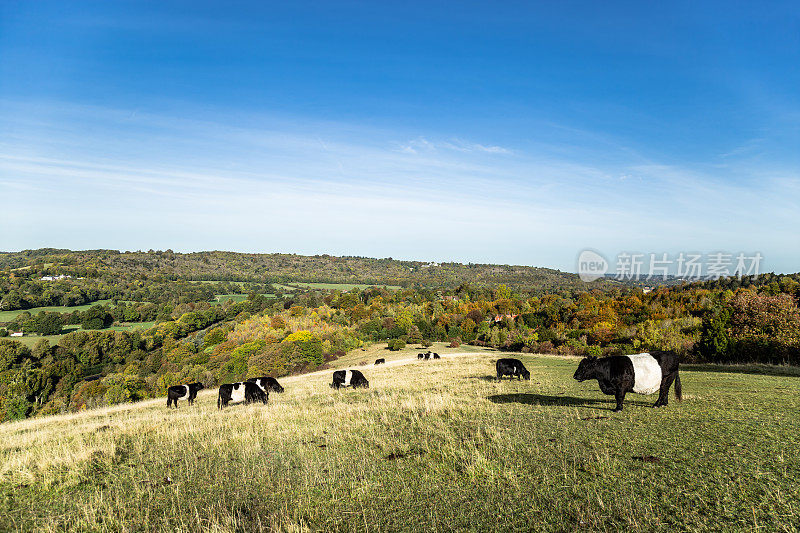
[
  {"x": 526, "y": 375},
  {"x": 276, "y": 387},
  {"x": 198, "y": 386},
  {"x": 586, "y": 369}
]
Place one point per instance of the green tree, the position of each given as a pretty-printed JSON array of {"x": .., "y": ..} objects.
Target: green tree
[
  {"x": 714, "y": 339},
  {"x": 97, "y": 317},
  {"x": 397, "y": 344},
  {"x": 47, "y": 323}
]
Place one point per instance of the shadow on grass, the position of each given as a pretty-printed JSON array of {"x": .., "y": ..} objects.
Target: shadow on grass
[
  {"x": 503, "y": 379},
  {"x": 567, "y": 401},
  {"x": 763, "y": 370},
  {"x": 485, "y": 378}
]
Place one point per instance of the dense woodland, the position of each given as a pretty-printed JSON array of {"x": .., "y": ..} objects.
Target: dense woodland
[
  {"x": 160, "y": 266},
  {"x": 195, "y": 338}
]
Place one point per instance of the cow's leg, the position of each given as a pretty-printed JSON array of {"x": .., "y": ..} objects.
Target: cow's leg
[
  {"x": 663, "y": 393},
  {"x": 619, "y": 394},
  {"x": 499, "y": 375}
]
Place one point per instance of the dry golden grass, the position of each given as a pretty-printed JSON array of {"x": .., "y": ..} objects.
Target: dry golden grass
[{"x": 432, "y": 445}]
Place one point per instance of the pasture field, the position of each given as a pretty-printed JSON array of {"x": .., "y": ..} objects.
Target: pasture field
[
  {"x": 221, "y": 298},
  {"x": 30, "y": 340},
  {"x": 430, "y": 446},
  {"x": 236, "y": 298},
  {"x": 130, "y": 326},
  {"x": 343, "y": 286},
  {"x": 284, "y": 287},
  {"x": 8, "y": 316}
]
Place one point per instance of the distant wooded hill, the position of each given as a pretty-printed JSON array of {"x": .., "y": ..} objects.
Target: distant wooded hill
[{"x": 277, "y": 268}]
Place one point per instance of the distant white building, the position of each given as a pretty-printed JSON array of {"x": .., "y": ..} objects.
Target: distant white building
[
  {"x": 54, "y": 278},
  {"x": 431, "y": 264},
  {"x": 16, "y": 334}
]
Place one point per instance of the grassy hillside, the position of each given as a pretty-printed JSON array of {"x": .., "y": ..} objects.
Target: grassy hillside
[{"x": 434, "y": 445}]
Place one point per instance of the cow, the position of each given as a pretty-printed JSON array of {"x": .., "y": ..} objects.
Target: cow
[
  {"x": 349, "y": 378},
  {"x": 427, "y": 355},
  {"x": 267, "y": 383},
  {"x": 513, "y": 368},
  {"x": 380, "y": 361},
  {"x": 643, "y": 373},
  {"x": 179, "y": 391},
  {"x": 436, "y": 356},
  {"x": 244, "y": 391},
  {"x": 420, "y": 355}
]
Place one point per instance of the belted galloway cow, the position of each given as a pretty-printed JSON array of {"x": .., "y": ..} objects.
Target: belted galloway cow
[
  {"x": 267, "y": 383},
  {"x": 513, "y": 368},
  {"x": 644, "y": 373},
  {"x": 243, "y": 391},
  {"x": 177, "y": 392},
  {"x": 349, "y": 378}
]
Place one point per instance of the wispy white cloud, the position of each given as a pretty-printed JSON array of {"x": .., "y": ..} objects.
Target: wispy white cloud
[
  {"x": 422, "y": 145},
  {"x": 114, "y": 179}
]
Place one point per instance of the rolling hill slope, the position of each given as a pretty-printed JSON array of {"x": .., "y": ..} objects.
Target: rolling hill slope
[{"x": 434, "y": 445}]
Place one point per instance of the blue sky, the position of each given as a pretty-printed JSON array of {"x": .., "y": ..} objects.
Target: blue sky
[{"x": 485, "y": 132}]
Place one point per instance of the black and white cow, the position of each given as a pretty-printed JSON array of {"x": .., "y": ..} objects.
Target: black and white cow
[
  {"x": 513, "y": 368},
  {"x": 244, "y": 391},
  {"x": 189, "y": 392},
  {"x": 420, "y": 356},
  {"x": 436, "y": 356},
  {"x": 349, "y": 378},
  {"x": 644, "y": 373},
  {"x": 267, "y": 383},
  {"x": 380, "y": 361},
  {"x": 427, "y": 355}
]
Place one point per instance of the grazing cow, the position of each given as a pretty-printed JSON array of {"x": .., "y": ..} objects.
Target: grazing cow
[
  {"x": 380, "y": 361},
  {"x": 436, "y": 356},
  {"x": 420, "y": 355},
  {"x": 427, "y": 355},
  {"x": 349, "y": 378},
  {"x": 513, "y": 368},
  {"x": 643, "y": 373},
  {"x": 267, "y": 383},
  {"x": 179, "y": 391},
  {"x": 244, "y": 391}
]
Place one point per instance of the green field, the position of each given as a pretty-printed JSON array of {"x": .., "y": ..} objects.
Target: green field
[
  {"x": 31, "y": 340},
  {"x": 342, "y": 286},
  {"x": 430, "y": 446},
  {"x": 131, "y": 326},
  {"x": 236, "y": 298},
  {"x": 231, "y": 282},
  {"x": 294, "y": 285},
  {"x": 8, "y": 316},
  {"x": 284, "y": 287}
]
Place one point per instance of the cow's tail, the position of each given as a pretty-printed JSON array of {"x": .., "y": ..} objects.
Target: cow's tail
[
  {"x": 219, "y": 402},
  {"x": 678, "y": 389}
]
